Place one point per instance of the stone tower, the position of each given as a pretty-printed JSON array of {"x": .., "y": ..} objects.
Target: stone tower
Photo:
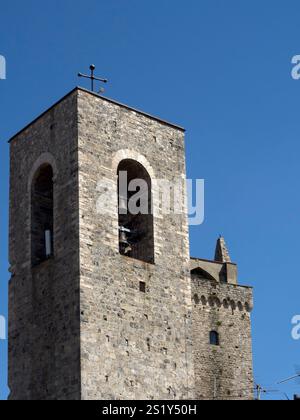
[
  {"x": 221, "y": 329},
  {"x": 90, "y": 318},
  {"x": 102, "y": 304}
]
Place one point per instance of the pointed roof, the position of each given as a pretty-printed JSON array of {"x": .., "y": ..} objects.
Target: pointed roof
[{"x": 222, "y": 254}]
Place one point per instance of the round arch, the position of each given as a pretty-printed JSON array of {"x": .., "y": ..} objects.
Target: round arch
[
  {"x": 128, "y": 154},
  {"x": 135, "y": 211},
  {"x": 44, "y": 159}
]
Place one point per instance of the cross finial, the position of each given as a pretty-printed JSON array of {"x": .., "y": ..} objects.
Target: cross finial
[{"x": 92, "y": 77}]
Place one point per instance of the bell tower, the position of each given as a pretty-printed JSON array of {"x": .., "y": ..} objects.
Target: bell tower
[{"x": 100, "y": 301}]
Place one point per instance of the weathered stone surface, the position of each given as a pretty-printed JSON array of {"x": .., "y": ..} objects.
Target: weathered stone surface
[
  {"x": 80, "y": 326},
  {"x": 136, "y": 345}
]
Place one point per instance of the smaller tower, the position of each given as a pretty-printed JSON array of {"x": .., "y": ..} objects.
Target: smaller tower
[{"x": 221, "y": 329}]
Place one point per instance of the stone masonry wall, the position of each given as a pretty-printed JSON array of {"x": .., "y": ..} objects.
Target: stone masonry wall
[
  {"x": 134, "y": 345},
  {"x": 224, "y": 371},
  {"x": 44, "y": 349},
  {"x": 80, "y": 324}
]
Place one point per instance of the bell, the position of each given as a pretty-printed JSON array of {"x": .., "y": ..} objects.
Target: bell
[
  {"x": 124, "y": 244},
  {"x": 123, "y": 238}
]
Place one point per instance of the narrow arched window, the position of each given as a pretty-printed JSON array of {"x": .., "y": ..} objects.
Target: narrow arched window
[
  {"x": 42, "y": 215},
  {"x": 214, "y": 338},
  {"x": 136, "y": 231}
]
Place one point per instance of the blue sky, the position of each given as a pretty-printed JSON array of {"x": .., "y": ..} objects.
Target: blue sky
[{"x": 223, "y": 70}]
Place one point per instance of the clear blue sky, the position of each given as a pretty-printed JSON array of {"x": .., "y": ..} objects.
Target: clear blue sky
[{"x": 221, "y": 69}]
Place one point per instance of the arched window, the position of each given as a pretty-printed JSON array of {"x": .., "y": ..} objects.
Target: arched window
[
  {"x": 42, "y": 215},
  {"x": 136, "y": 231},
  {"x": 214, "y": 338}
]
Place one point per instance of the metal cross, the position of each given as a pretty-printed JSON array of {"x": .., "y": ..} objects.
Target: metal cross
[{"x": 92, "y": 77}]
